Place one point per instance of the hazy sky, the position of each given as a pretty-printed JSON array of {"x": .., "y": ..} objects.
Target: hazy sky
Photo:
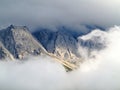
[{"x": 55, "y": 12}]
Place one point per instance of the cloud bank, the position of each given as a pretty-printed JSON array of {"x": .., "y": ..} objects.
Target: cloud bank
[
  {"x": 41, "y": 73},
  {"x": 34, "y": 13}
]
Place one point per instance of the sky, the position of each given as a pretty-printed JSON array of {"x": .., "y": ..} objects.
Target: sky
[{"x": 35, "y": 13}]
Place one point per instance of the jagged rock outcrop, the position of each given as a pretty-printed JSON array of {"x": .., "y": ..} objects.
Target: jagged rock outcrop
[
  {"x": 61, "y": 43},
  {"x": 20, "y": 42},
  {"x": 66, "y": 46}
]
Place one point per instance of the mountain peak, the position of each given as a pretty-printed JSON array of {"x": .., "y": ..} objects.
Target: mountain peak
[
  {"x": 19, "y": 41},
  {"x": 60, "y": 43},
  {"x": 13, "y": 27}
]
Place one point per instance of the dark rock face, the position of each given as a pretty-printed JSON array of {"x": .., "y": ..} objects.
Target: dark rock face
[
  {"x": 46, "y": 38},
  {"x": 4, "y": 53},
  {"x": 60, "y": 43}
]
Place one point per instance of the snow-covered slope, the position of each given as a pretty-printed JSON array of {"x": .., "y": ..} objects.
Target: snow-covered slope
[
  {"x": 94, "y": 40},
  {"x": 92, "y": 43}
]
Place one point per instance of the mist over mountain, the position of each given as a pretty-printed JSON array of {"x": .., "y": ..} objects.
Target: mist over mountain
[
  {"x": 59, "y": 45},
  {"x": 99, "y": 49},
  {"x": 19, "y": 42}
]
